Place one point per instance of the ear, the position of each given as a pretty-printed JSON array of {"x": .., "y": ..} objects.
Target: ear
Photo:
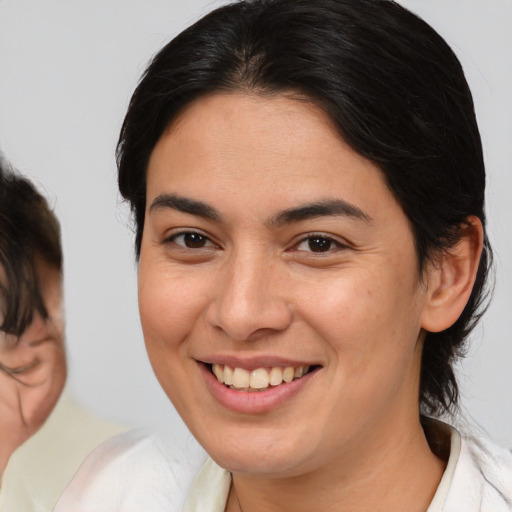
[{"x": 450, "y": 278}]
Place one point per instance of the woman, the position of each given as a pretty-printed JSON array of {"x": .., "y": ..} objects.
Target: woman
[{"x": 307, "y": 183}]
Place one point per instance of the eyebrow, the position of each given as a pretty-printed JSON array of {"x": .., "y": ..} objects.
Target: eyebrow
[
  {"x": 325, "y": 208},
  {"x": 185, "y": 205}
]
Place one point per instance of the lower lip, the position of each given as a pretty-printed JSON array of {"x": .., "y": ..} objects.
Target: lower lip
[{"x": 253, "y": 402}]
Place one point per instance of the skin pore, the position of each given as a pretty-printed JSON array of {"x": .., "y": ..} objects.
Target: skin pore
[
  {"x": 268, "y": 242},
  {"x": 33, "y": 369}
]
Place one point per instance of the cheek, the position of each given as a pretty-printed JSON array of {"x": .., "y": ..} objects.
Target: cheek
[
  {"x": 370, "y": 326},
  {"x": 368, "y": 319},
  {"x": 170, "y": 304},
  {"x": 43, "y": 387}
]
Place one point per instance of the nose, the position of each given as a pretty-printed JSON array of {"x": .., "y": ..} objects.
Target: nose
[{"x": 250, "y": 299}]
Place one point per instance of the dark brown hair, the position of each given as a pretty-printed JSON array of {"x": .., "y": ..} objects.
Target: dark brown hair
[{"x": 28, "y": 230}]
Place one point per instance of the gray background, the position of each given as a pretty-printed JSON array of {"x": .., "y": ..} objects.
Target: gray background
[{"x": 67, "y": 69}]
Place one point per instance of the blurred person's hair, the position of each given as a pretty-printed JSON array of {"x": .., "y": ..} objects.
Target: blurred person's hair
[{"x": 29, "y": 232}]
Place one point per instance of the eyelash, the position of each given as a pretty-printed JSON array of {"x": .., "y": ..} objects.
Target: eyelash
[
  {"x": 201, "y": 236},
  {"x": 308, "y": 239},
  {"x": 319, "y": 237}
]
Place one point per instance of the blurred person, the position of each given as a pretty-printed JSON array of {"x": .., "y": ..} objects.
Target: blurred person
[{"x": 43, "y": 436}]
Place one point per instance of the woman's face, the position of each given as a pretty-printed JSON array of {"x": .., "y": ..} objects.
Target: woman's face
[{"x": 271, "y": 248}]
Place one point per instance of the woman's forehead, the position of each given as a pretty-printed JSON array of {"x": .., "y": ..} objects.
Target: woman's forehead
[
  {"x": 254, "y": 139},
  {"x": 258, "y": 158}
]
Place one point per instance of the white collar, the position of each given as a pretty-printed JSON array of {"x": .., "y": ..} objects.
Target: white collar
[
  {"x": 437, "y": 503},
  {"x": 460, "y": 488}
]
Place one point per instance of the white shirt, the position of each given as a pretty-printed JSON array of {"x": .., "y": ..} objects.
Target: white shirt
[{"x": 133, "y": 473}]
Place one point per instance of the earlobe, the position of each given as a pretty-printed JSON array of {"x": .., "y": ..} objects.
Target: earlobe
[{"x": 451, "y": 277}]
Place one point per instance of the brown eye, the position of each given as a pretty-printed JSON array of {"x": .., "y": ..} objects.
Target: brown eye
[
  {"x": 191, "y": 240},
  {"x": 194, "y": 240},
  {"x": 316, "y": 243}
]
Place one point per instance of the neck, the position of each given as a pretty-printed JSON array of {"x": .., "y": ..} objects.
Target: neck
[{"x": 401, "y": 475}]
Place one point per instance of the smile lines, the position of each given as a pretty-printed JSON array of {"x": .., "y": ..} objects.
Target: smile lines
[{"x": 259, "y": 379}]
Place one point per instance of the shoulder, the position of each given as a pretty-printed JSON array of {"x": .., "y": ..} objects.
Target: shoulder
[
  {"x": 494, "y": 464},
  {"x": 483, "y": 476},
  {"x": 133, "y": 471}
]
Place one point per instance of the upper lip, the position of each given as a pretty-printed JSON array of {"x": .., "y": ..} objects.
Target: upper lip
[{"x": 256, "y": 361}]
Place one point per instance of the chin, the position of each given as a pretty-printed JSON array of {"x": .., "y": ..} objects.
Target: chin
[
  {"x": 271, "y": 467},
  {"x": 265, "y": 457}
]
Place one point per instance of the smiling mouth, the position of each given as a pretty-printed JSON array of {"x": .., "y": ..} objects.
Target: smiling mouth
[{"x": 259, "y": 379}]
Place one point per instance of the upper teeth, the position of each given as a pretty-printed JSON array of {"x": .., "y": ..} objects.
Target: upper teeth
[{"x": 261, "y": 378}]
